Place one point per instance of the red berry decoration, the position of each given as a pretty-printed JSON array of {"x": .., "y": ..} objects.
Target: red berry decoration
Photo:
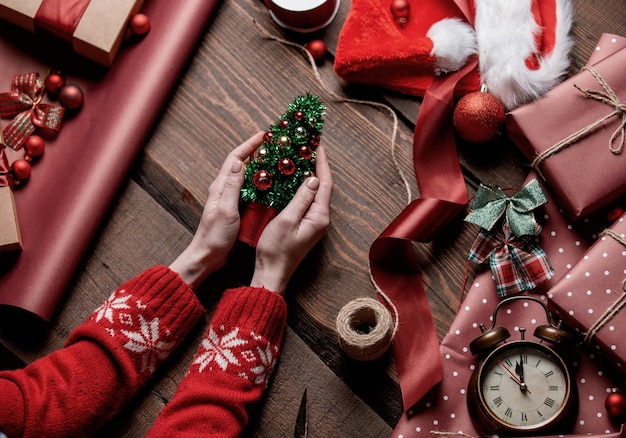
[
  {"x": 34, "y": 146},
  {"x": 478, "y": 117},
  {"x": 400, "y": 11},
  {"x": 140, "y": 24},
  {"x": 317, "y": 49},
  {"x": 54, "y": 82},
  {"x": 21, "y": 170},
  {"x": 262, "y": 180},
  {"x": 286, "y": 166},
  {"x": 615, "y": 404},
  {"x": 71, "y": 97}
]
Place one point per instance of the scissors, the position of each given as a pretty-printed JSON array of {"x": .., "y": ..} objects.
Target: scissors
[{"x": 301, "y": 421}]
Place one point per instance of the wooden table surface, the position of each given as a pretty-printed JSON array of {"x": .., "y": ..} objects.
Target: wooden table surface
[{"x": 237, "y": 83}]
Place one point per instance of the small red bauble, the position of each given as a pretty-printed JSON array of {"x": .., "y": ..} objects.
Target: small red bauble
[
  {"x": 71, "y": 97},
  {"x": 305, "y": 152},
  {"x": 54, "y": 82},
  {"x": 478, "y": 117},
  {"x": 298, "y": 115},
  {"x": 140, "y": 24},
  {"x": 314, "y": 141},
  {"x": 615, "y": 404},
  {"x": 317, "y": 49},
  {"x": 21, "y": 169},
  {"x": 268, "y": 136},
  {"x": 283, "y": 124},
  {"x": 400, "y": 11},
  {"x": 262, "y": 180},
  {"x": 286, "y": 166},
  {"x": 34, "y": 146}
]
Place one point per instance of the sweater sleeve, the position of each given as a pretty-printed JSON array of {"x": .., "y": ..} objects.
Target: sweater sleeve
[
  {"x": 75, "y": 390},
  {"x": 231, "y": 368}
]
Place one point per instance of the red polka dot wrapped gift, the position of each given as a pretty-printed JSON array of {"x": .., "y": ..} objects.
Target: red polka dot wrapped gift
[{"x": 592, "y": 296}]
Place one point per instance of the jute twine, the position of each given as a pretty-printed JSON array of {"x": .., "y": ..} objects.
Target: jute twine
[
  {"x": 608, "y": 97},
  {"x": 365, "y": 329},
  {"x": 617, "y": 305}
]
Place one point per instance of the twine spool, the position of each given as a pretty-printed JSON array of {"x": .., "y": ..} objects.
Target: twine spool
[{"x": 365, "y": 329}]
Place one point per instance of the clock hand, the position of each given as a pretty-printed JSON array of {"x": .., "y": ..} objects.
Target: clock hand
[
  {"x": 522, "y": 385},
  {"x": 519, "y": 370}
]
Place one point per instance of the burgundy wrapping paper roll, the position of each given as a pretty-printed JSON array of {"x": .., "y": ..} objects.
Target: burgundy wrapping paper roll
[
  {"x": 585, "y": 176},
  {"x": 60, "y": 211},
  {"x": 593, "y": 286},
  {"x": 445, "y": 409}
]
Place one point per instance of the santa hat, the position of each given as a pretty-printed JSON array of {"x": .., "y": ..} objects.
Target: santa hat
[{"x": 522, "y": 45}]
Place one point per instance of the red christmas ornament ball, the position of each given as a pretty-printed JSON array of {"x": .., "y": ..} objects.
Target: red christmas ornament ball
[
  {"x": 140, "y": 24},
  {"x": 305, "y": 152},
  {"x": 54, "y": 82},
  {"x": 262, "y": 180},
  {"x": 286, "y": 166},
  {"x": 400, "y": 9},
  {"x": 478, "y": 117},
  {"x": 615, "y": 404},
  {"x": 317, "y": 49},
  {"x": 71, "y": 96},
  {"x": 34, "y": 146},
  {"x": 21, "y": 169}
]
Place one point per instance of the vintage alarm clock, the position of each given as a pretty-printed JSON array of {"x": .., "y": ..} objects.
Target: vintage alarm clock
[{"x": 522, "y": 387}]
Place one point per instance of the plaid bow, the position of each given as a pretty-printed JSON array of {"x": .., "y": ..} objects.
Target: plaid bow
[
  {"x": 23, "y": 105},
  {"x": 517, "y": 263}
]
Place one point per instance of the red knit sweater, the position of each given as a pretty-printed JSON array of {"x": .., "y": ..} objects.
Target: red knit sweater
[{"x": 75, "y": 390}]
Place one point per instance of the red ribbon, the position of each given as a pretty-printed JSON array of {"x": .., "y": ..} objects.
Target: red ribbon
[
  {"x": 61, "y": 17},
  {"x": 23, "y": 104},
  {"x": 5, "y": 169},
  {"x": 392, "y": 262}
]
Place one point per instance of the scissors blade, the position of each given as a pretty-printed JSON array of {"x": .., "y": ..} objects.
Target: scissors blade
[{"x": 301, "y": 422}]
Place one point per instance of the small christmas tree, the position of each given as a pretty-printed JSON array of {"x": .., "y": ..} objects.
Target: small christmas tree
[{"x": 280, "y": 164}]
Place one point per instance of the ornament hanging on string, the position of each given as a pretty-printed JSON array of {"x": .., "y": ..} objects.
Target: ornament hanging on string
[
  {"x": 280, "y": 164},
  {"x": 479, "y": 116}
]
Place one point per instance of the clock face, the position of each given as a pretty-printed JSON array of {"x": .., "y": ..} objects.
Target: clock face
[{"x": 524, "y": 385}]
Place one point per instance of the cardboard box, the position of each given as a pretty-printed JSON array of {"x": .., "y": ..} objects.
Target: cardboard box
[
  {"x": 10, "y": 239},
  {"x": 95, "y": 28}
]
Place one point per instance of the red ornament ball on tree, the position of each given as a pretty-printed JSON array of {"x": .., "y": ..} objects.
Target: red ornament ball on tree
[
  {"x": 286, "y": 166},
  {"x": 54, "y": 82},
  {"x": 478, "y": 117},
  {"x": 140, "y": 24},
  {"x": 268, "y": 136},
  {"x": 34, "y": 146},
  {"x": 21, "y": 169},
  {"x": 305, "y": 152},
  {"x": 317, "y": 49},
  {"x": 615, "y": 404},
  {"x": 71, "y": 97},
  {"x": 262, "y": 180}
]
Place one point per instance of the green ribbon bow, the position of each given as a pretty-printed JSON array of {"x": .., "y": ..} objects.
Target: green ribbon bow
[{"x": 491, "y": 203}]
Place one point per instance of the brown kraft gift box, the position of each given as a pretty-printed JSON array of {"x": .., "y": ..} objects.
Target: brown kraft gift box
[{"x": 96, "y": 29}]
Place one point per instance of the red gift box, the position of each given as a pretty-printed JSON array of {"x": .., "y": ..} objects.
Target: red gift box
[
  {"x": 444, "y": 411},
  {"x": 575, "y": 140},
  {"x": 95, "y": 28},
  {"x": 591, "y": 296}
]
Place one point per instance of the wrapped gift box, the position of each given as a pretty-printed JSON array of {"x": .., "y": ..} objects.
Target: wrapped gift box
[
  {"x": 95, "y": 28},
  {"x": 10, "y": 239},
  {"x": 590, "y": 297},
  {"x": 585, "y": 174}
]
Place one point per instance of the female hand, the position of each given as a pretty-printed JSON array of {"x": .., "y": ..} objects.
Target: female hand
[
  {"x": 289, "y": 237},
  {"x": 219, "y": 225}
]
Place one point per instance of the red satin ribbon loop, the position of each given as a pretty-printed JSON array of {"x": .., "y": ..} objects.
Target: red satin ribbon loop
[{"x": 60, "y": 17}]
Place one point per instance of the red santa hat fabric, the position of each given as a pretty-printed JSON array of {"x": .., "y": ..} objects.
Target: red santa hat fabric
[{"x": 522, "y": 45}]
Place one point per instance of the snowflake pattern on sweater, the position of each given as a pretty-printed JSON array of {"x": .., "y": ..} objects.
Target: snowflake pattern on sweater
[
  {"x": 249, "y": 356},
  {"x": 122, "y": 315}
]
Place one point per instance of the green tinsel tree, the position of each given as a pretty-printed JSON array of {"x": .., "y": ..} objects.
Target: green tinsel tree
[{"x": 282, "y": 162}]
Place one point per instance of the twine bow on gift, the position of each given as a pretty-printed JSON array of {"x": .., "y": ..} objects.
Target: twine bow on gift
[
  {"x": 608, "y": 97},
  {"x": 23, "y": 105},
  {"x": 491, "y": 203}
]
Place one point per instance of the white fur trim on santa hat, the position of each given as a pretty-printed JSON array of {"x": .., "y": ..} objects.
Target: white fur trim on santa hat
[
  {"x": 505, "y": 32},
  {"x": 454, "y": 42}
]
